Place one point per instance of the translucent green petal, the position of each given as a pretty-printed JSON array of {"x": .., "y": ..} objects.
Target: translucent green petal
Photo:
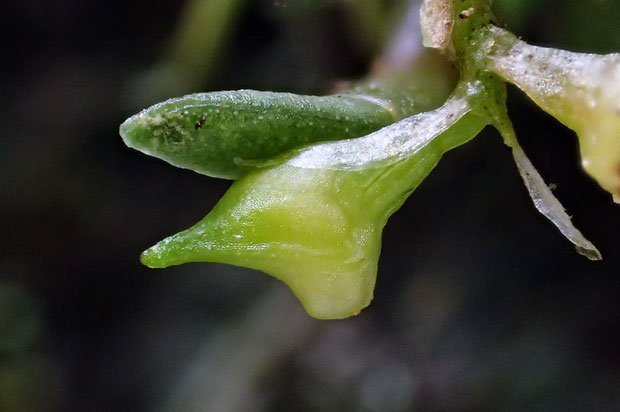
[{"x": 580, "y": 90}]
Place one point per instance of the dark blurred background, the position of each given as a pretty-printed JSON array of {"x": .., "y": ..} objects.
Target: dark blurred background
[{"x": 480, "y": 304}]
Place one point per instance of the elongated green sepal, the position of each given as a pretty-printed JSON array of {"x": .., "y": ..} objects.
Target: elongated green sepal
[{"x": 216, "y": 133}]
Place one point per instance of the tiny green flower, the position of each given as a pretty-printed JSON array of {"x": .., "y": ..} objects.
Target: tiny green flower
[
  {"x": 315, "y": 220},
  {"x": 311, "y": 214}
]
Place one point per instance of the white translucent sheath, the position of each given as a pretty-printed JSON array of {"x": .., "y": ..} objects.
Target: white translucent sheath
[
  {"x": 580, "y": 90},
  {"x": 386, "y": 146},
  {"x": 545, "y": 202}
]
